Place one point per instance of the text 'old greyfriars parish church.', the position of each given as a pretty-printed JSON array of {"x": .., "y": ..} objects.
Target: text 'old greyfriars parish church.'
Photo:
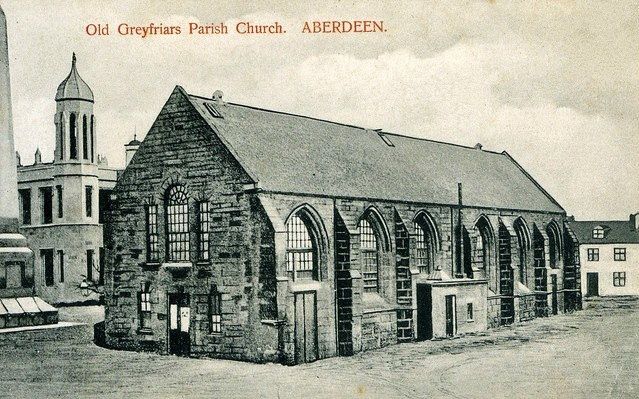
[{"x": 250, "y": 234}]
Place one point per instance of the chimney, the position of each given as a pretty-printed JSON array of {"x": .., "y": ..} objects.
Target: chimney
[
  {"x": 634, "y": 220},
  {"x": 478, "y": 146}
]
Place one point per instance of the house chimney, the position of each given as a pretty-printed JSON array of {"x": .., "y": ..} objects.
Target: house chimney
[
  {"x": 634, "y": 220},
  {"x": 478, "y": 146}
]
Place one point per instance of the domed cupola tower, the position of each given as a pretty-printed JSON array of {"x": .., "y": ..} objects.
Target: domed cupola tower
[
  {"x": 75, "y": 123},
  {"x": 75, "y": 159}
]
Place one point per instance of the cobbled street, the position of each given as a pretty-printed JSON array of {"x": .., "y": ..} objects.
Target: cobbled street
[{"x": 589, "y": 354}]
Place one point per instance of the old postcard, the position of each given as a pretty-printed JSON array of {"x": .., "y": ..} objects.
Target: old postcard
[{"x": 337, "y": 199}]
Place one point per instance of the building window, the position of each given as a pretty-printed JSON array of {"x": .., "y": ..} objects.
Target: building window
[
  {"x": 598, "y": 232},
  {"x": 204, "y": 226},
  {"x": 619, "y": 279},
  {"x": 483, "y": 244},
  {"x": 301, "y": 248},
  {"x": 62, "y": 137},
  {"x": 61, "y": 265},
  {"x": 214, "y": 112},
  {"x": 46, "y": 258},
  {"x": 370, "y": 256},
  {"x": 523, "y": 246},
  {"x": 90, "y": 265},
  {"x": 58, "y": 190},
  {"x": 73, "y": 137},
  {"x": 152, "y": 250},
  {"x": 620, "y": 254},
  {"x": 46, "y": 198},
  {"x": 144, "y": 306},
  {"x": 92, "y": 138},
  {"x": 424, "y": 245},
  {"x": 85, "y": 138},
  {"x": 215, "y": 311},
  {"x": 177, "y": 222},
  {"x": 88, "y": 200},
  {"x": 469, "y": 312},
  {"x": 593, "y": 254},
  {"x": 25, "y": 205},
  {"x": 554, "y": 245}
]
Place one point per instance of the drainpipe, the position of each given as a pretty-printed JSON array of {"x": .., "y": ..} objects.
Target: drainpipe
[{"x": 458, "y": 236}]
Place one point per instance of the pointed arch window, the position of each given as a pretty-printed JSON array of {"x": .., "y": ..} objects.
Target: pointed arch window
[
  {"x": 301, "y": 248},
  {"x": 73, "y": 137},
  {"x": 369, "y": 247},
  {"x": 177, "y": 224},
  {"x": 523, "y": 245},
  {"x": 425, "y": 244},
  {"x": 483, "y": 245},
  {"x": 62, "y": 138},
  {"x": 85, "y": 138},
  {"x": 554, "y": 245}
]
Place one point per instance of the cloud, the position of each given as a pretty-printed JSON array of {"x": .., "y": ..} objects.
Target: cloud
[{"x": 556, "y": 84}]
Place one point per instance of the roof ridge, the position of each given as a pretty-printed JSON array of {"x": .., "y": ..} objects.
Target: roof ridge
[{"x": 403, "y": 135}]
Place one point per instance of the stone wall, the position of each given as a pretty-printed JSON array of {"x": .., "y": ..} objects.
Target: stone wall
[{"x": 180, "y": 149}]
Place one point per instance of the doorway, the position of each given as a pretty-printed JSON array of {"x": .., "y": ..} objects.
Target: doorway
[
  {"x": 305, "y": 327},
  {"x": 179, "y": 317},
  {"x": 592, "y": 287},
  {"x": 424, "y": 312},
  {"x": 451, "y": 315}
]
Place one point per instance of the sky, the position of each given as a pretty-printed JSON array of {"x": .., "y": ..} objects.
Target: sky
[{"x": 556, "y": 84}]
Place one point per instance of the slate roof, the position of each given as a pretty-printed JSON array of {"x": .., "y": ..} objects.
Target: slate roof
[
  {"x": 73, "y": 87},
  {"x": 615, "y": 232},
  {"x": 298, "y": 154}
]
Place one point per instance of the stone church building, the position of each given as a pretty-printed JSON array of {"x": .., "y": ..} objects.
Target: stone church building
[{"x": 244, "y": 233}]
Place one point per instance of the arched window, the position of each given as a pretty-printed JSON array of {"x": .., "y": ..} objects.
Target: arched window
[
  {"x": 177, "y": 224},
  {"x": 370, "y": 256},
  {"x": 554, "y": 245},
  {"x": 62, "y": 139},
  {"x": 523, "y": 245},
  {"x": 73, "y": 137},
  {"x": 301, "y": 248},
  {"x": 425, "y": 244},
  {"x": 484, "y": 244},
  {"x": 85, "y": 138},
  {"x": 92, "y": 139}
]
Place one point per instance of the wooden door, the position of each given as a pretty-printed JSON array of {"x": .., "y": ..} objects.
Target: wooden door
[
  {"x": 451, "y": 315},
  {"x": 593, "y": 284},
  {"x": 424, "y": 312},
  {"x": 179, "y": 323},
  {"x": 305, "y": 327}
]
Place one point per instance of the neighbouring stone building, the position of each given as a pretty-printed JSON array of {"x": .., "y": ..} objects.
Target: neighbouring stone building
[
  {"x": 609, "y": 252},
  {"x": 62, "y": 202},
  {"x": 243, "y": 233}
]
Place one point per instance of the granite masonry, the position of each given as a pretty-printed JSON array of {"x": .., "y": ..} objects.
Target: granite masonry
[{"x": 242, "y": 233}]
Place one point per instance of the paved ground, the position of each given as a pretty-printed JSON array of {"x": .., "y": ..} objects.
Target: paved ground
[{"x": 589, "y": 354}]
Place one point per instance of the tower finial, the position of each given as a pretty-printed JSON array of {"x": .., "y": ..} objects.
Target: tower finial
[{"x": 73, "y": 61}]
